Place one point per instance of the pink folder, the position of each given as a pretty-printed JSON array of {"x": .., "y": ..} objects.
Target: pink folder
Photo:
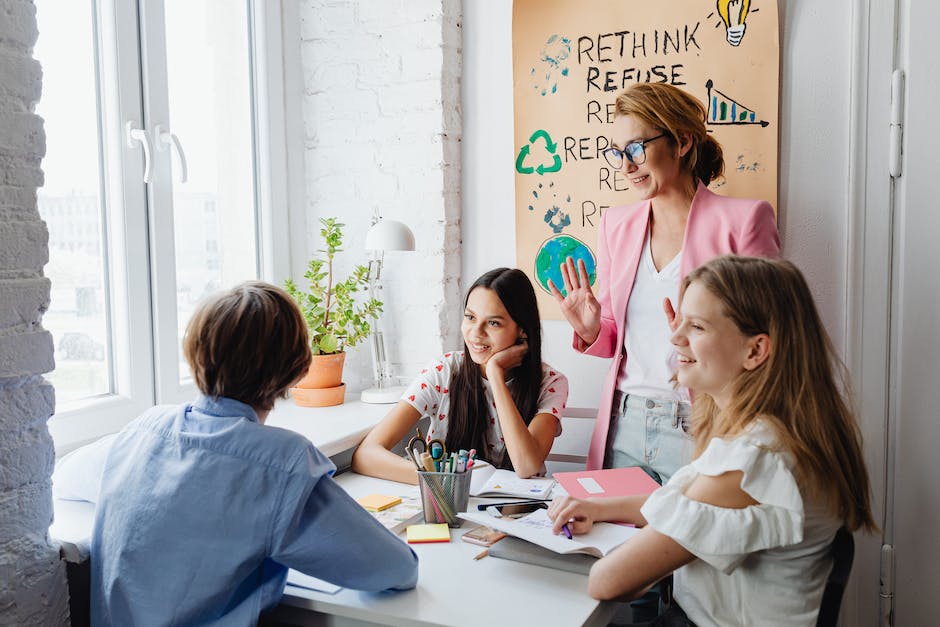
[{"x": 607, "y": 482}]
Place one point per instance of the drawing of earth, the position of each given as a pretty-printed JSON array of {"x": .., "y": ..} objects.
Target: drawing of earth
[{"x": 553, "y": 252}]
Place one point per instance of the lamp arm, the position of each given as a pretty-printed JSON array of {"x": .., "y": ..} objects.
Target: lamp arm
[{"x": 380, "y": 373}]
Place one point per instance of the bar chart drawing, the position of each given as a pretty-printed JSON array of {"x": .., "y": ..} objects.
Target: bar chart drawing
[{"x": 725, "y": 110}]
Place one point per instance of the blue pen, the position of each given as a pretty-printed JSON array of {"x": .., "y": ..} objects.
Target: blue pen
[{"x": 566, "y": 531}]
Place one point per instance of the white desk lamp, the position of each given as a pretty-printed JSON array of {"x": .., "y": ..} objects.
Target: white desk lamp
[{"x": 385, "y": 235}]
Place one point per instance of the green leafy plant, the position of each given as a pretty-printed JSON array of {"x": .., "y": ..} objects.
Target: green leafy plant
[{"x": 336, "y": 317}]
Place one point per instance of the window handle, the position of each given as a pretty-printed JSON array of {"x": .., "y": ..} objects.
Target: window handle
[
  {"x": 166, "y": 139},
  {"x": 134, "y": 134}
]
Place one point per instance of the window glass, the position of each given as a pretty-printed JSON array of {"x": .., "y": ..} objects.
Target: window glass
[
  {"x": 70, "y": 201},
  {"x": 209, "y": 90}
]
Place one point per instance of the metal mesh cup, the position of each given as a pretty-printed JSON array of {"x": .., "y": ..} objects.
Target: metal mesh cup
[{"x": 443, "y": 495}]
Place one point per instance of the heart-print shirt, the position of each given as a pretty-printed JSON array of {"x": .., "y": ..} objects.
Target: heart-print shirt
[{"x": 429, "y": 394}]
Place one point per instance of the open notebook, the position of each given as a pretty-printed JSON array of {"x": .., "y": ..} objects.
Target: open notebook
[
  {"x": 537, "y": 528},
  {"x": 489, "y": 481}
]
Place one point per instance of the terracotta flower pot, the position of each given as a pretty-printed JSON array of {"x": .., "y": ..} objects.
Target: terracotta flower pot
[
  {"x": 323, "y": 385},
  {"x": 319, "y": 397}
]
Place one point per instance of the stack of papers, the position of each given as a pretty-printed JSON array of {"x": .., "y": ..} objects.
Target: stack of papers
[{"x": 397, "y": 517}]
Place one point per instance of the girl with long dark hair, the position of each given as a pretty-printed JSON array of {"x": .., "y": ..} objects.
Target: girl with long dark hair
[{"x": 495, "y": 396}]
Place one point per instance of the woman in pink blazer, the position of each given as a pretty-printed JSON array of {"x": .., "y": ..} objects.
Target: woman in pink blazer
[{"x": 659, "y": 142}]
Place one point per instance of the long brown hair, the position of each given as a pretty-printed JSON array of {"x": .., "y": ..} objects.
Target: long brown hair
[
  {"x": 676, "y": 112},
  {"x": 800, "y": 389},
  {"x": 469, "y": 410}
]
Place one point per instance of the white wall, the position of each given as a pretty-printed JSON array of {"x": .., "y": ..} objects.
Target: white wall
[
  {"x": 32, "y": 578},
  {"x": 382, "y": 133}
]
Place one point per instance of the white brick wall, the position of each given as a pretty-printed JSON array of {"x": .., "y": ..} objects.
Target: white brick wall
[
  {"x": 383, "y": 77},
  {"x": 32, "y": 578}
]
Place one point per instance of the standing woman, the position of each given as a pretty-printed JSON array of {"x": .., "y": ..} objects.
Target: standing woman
[{"x": 660, "y": 144}]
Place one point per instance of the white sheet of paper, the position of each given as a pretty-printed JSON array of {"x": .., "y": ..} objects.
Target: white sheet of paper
[
  {"x": 591, "y": 485},
  {"x": 297, "y": 578}
]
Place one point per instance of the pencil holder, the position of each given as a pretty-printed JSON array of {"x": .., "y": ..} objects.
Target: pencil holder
[{"x": 443, "y": 495}]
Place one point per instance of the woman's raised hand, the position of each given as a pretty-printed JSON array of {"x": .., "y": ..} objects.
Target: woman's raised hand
[
  {"x": 578, "y": 514},
  {"x": 671, "y": 316},
  {"x": 579, "y": 305}
]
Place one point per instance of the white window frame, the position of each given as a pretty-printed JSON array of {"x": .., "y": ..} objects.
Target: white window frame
[{"x": 140, "y": 380}]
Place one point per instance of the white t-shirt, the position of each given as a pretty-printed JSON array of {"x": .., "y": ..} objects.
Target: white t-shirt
[
  {"x": 651, "y": 357},
  {"x": 765, "y": 564},
  {"x": 429, "y": 394}
]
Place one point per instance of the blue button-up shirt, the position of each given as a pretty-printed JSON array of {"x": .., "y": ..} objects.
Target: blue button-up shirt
[{"x": 202, "y": 509}]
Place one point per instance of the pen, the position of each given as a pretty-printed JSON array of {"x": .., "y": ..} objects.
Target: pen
[
  {"x": 566, "y": 531},
  {"x": 481, "y": 554}
]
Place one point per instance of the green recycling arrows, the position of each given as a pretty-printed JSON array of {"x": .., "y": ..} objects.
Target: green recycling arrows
[{"x": 550, "y": 148}]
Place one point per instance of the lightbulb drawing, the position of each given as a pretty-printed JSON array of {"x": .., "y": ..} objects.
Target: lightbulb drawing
[{"x": 733, "y": 13}]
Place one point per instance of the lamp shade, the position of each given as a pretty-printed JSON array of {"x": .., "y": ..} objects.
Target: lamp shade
[{"x": 390, "y": 235}]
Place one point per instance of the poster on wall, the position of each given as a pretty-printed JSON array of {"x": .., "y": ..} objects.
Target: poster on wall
[{"x": 571, "y": 60}]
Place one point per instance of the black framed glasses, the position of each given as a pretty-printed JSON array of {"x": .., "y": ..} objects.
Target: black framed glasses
[{"x": 634, "y": 152}]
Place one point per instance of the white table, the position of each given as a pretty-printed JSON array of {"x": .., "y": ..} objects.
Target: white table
[{"x": 453, "y": 589}]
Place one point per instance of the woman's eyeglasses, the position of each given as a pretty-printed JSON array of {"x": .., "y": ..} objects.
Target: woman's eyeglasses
[{"x": 634, "y": 152}]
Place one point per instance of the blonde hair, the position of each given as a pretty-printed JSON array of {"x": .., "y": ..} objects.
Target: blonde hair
[
  {"x": 675, "y": 112},
  {"x": 798, "y": 389},
  {"x": 248, "y": 343}
]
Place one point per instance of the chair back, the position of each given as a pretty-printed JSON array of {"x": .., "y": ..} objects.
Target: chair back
[{"x": 842, "y": 551}]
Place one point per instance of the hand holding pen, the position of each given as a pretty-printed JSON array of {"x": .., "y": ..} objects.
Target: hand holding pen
[{"x": 571, "y": 516}]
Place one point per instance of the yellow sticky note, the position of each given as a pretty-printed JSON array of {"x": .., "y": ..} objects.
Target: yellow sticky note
[
  {"x": 439, "y": 532},
  {"x": 378, "y": 502}
]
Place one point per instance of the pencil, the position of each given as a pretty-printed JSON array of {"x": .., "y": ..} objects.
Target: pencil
[{"x": 481, "y": 554}]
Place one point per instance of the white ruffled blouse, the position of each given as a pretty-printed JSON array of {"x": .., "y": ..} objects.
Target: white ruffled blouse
[{"x": 765, "y": 564}]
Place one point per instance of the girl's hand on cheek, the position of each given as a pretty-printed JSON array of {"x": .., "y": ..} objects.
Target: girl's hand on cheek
[{"x": 507, "y": 359}]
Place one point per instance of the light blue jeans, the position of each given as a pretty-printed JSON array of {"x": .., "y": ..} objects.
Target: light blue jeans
[{"x": 650, "y": 433}]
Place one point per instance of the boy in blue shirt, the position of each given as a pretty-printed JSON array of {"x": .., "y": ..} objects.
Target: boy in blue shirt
[{"x": 202, "y": 509}]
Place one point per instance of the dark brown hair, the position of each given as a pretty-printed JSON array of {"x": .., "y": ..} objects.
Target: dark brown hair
[
  {"x": 800, "y": 389},
  {"x": 248, "y": 343},
  {"x": 676, "y": 112}
]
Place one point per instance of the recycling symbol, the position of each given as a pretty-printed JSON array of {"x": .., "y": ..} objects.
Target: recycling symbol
[{"x": 550, "y": 148}]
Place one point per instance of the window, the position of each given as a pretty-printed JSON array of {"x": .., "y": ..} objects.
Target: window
[{"x": 164, "y": 182}]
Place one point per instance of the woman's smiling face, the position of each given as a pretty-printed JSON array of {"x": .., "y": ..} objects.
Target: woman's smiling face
[
  {"x": 661, "y": 173},
  {"x": 487, "y": 327}
]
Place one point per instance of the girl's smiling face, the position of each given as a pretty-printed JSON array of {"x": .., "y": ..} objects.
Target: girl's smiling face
[
  {"x": 712, "y": 352},
  {"x": 487, "y": 327}
]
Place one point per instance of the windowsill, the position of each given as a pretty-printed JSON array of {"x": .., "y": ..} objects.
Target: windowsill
[{"x": 332, "y": 429}]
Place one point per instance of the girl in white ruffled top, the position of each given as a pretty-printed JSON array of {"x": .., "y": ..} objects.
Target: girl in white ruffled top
[{"x": 777, "y": 468}]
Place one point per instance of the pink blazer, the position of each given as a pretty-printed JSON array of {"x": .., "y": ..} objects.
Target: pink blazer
[{"x": 717, "y": 225}]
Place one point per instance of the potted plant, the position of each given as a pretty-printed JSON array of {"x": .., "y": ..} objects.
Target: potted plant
[{"x": 336, "y": 319}]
